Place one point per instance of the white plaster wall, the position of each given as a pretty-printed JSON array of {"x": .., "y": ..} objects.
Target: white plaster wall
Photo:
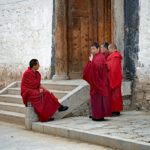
[
  {"x": 25, "y": 33},
  {"x": 143, "y": 69}
]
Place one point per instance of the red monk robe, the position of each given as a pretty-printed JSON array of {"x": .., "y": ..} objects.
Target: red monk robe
[
  {"x": 106, "y": 55},
  {"x": 45, "y": 103},
  {"x": 115, "y": 80},
  {"x": 95, "y": 73}
]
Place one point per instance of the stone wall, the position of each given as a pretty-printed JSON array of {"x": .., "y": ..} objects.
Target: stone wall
[
  {"x": 25, "y": 33},
  {"x": 141, "y": 100},
  {"x": 142, "y": 85}
]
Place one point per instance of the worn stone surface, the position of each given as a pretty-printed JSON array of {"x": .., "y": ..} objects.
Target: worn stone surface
[
  {"x": 30, "y": 116},
  {"x": 141, "y": 96},
  {"x": 130, "y": 126},
  {"x": 14, "y": 138}
]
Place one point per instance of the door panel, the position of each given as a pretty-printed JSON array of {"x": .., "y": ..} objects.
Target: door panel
[{"x": 88, "y": 21}]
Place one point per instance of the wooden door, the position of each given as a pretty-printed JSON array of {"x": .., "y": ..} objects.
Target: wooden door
[{"x": 88, "y": 21}]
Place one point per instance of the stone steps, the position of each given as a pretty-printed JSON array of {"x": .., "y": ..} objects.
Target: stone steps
[
  {"x": 56, "y": 86},
  {"x": 73, "y": 93},
  {"x": 12, "y": 117},
  {"x": 16, "y": 91},
  {"x": 19, "y": 108},
  {"x": 12, "y": 108},
  {"x": 8, "y": 98}
]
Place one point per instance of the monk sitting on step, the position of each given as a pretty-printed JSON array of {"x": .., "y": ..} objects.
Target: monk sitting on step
[{"x": 44, "y": 102}]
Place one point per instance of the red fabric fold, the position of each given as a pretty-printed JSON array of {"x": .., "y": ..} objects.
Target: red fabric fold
[
  {"x": 115, "y": 80},
  {"x": 115, "y": 70},
  {"x": 95, "y": 73}
]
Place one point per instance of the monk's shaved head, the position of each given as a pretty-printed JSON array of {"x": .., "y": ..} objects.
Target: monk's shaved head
[{"x": 112, "y": 46}]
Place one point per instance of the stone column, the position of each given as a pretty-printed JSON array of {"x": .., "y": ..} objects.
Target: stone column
[{"x": 61, "y": 58}]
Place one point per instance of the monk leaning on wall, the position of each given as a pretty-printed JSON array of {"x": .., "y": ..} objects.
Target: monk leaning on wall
[{"x": 44, "y": 102}]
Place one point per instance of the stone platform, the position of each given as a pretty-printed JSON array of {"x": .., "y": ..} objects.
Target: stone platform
[
  {"x": 14, "y": 137},
  {"x": 130, "y": 131}
]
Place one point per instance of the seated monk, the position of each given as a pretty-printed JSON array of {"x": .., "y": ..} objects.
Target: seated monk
[{"x": 44, "y": 102}]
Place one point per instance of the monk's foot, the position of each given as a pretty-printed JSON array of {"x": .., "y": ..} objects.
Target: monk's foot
[
  {"x": 51, "y": 119},
  {"x": 115, "y": 114},
  {"x": 90, "y": 117},
  {"x": 63, "y": 108},
  {"x": 102, "y": 119}
]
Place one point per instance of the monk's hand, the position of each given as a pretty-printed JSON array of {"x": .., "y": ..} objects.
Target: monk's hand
[
  {"x": 91, "y": 57},
  {"x": 41, "y": 90}
]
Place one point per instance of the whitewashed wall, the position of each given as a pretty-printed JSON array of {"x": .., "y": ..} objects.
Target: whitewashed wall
[
  {"x": 25, "y": 33},
  {"x": 143, "y": 70}
]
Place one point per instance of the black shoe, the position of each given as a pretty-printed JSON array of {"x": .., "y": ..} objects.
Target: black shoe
[
  {"x": 115, "y": 114},
  {"x": 63, "y": 108},
  {"x": 51, "y": 119},
  {"x": 118, "y": 113},
  {"x": 90, "y": 117},
  {"x": 102, "y": 119}
]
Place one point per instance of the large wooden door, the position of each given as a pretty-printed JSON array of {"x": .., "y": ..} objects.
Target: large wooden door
[{"x": 88, "y": 21}]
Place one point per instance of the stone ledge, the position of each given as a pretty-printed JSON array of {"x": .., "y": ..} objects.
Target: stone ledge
[{"x": 77, "y": 129}]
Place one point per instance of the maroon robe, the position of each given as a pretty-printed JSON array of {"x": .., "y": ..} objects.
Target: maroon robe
[
  {"x": 115, "y": 80},
  {"x": 95, "y": 73},
  {"x": 45, "y": 104}
]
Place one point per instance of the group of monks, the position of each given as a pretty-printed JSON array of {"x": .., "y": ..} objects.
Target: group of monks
[{"x": 104, "y": 74}]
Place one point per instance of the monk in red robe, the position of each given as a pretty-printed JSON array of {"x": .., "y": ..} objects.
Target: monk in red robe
[
  {"x": 45, "y": 103},
  {"x": 104, "y": 50},
  {"x": 95, "y": 73},
  {"x": 115, "y": 79}
]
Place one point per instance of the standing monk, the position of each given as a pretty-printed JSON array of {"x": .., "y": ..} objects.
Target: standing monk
[
  {"x": 104, "y": 49},
  {"x": 115, "y": 79},
  {"x": 95, "y": 73},
  {"x": 45, "y": 103}
]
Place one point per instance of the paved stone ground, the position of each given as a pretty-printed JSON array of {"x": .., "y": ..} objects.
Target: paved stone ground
[
  {"x": 131, "y": 125},
  {"x": 14, "y": 137}
]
